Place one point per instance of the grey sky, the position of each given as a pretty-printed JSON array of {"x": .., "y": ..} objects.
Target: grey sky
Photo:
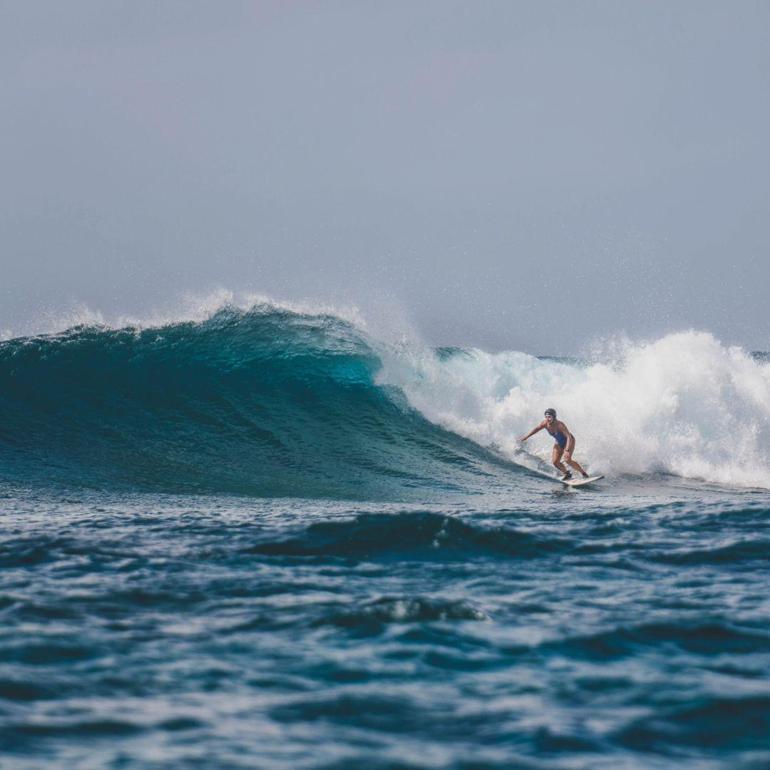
[{"x": 510, "y": 175}]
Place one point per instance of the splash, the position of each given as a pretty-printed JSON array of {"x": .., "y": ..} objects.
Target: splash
[{"x": 685, "y": 405}]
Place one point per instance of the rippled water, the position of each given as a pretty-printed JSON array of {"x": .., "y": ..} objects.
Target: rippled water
[
  {"x": 265, "y": 539},
  {"x": 625, "y": 627}
]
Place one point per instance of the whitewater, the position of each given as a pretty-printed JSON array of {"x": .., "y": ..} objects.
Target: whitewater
[
  {"x": 259, "y": 534},
  {"x": 685, "y": 404}
]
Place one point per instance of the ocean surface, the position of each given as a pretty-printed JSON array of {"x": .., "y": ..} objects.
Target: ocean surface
[{"x": 273, "y": 539}]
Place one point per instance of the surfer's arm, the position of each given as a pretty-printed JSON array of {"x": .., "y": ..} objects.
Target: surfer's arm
[{"x": 533, "y": 431}]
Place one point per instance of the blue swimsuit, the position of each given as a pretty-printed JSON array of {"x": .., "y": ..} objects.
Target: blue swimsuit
[{"x": 558, "y": 437}]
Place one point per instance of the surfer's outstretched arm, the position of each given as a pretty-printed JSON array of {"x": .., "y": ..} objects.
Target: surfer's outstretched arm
[{"x": 533, "y": 431}]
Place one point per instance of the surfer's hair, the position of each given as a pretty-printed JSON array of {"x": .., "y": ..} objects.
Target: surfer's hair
[{"x": 551, "y": 412}]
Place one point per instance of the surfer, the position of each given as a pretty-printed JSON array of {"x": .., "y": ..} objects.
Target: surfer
[{"x": 564, "y": 446}]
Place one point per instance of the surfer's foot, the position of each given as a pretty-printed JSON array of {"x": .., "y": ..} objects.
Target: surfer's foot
[{"x": 567, "y": 476}]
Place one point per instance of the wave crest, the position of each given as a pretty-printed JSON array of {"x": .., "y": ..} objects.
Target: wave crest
[{"x": 264, "y": 402}]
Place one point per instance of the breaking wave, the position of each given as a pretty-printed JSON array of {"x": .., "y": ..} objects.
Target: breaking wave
[{"x": 271, "y": 401}]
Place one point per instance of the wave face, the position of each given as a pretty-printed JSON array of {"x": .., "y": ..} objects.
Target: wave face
[
  {"x": 272, "y": 402},
  {"x": 262, "y": 402}
]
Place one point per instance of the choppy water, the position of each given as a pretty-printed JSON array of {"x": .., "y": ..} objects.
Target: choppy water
[{"x": 264, "y": 541}]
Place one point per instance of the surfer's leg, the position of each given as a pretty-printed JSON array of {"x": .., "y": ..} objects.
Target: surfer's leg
[
  {"x": 573, "y": 463},
  {"x": 556, "y": 458}
]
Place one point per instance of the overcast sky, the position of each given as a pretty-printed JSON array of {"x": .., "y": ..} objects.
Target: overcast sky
[{"x": 513, "y": 175}]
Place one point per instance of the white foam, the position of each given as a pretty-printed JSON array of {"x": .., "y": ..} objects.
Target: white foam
[{"x": 684, "y": 404}]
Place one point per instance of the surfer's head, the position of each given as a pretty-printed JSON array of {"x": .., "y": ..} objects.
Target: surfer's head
[{"x": 550, "y": 413}]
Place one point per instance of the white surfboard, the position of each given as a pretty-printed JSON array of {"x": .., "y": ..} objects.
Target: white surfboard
[
  {"x": 581, "y": 482},
  {"x": 573, "y": 482},
  {"x": 534, "y": 464}
]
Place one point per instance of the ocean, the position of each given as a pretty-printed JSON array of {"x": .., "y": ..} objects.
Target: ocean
[{"x": 269, "y": 538}]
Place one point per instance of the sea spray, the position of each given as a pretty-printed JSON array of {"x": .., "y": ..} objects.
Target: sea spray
[{"x": 684, "y": 404}]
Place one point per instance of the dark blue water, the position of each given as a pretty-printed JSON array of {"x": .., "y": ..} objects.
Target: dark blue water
[{"x": 227, "y": 545}]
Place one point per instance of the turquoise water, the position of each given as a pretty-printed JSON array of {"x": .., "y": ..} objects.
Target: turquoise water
[{"x": 266, "y": 540}]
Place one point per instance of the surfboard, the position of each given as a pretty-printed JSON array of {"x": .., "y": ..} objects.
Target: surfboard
[
  {"x": 581, "y": 482},
  {"x": 573, "y": 482},
  {"x": 535, "y": 465}
]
